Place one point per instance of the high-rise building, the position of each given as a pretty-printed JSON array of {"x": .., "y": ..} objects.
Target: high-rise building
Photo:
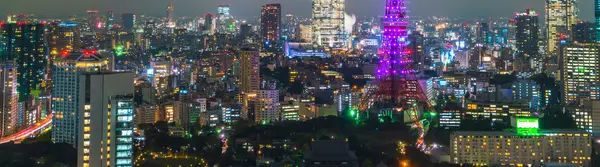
[
  {"x": 245, "y": 31},
  {"x": 208, "y": 24},
  {"x": 587, "y": 117},
  {"x": 483, "y": 33},
  {"x": 110, "y": 19},
  {"x": 290, "y": 111},
  {"x": 560, "y": 16},
  {"x": 249, "y": 69},
  {"x": 146, "y": 114},
  {"x": 271, "y": 25},
  {"x": 128, "y": 21},
  {"x": 417, "y": 42},
  {"x": 66, "y": 100},
  {"x": 9, "y": 98},
  {"x": 290, "y": 28},
  {"x": 231, "y": 114},
  {"x": 527, "y": 33},
  {"x": 583, "y": 32},
  {"x": 597, "y": 22},
  {"x": 526, "y": 90},
  {"x": 26, "y": 44},
  {"x": 65, "y": 37},
  {"x": 579, "y": 68},
  {"x": 328, "y": 23},
  {"x": 93, "y": 20},
  {"x": 105, "y": 131},
  {"x": 267, "y": 106},
  {"x": 225, "y": 23},
  {"x": 170, "y": 10},
  {"x": 306, "y": 33}
]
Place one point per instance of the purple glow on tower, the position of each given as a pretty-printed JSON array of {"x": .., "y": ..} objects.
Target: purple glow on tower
[{"x": 394, "y": 48}]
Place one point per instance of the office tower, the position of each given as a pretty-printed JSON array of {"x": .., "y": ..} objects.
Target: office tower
[
  {"x": 560, "y": 16},
  {"x": 483, "y": 33},
  {"x": 290, "y": 27},
  {"x": 66, "y": 99},
  {"x": 93, "y": 20},
  {"x": 597, "y": 15},
  {"x": 328, "y": 23},
  {"x": 583, "y": 32},
  {"x": 26, "y": 44},
  {"x": 9, "y": 98},
  {"x": 271, "y": 25},
  {"x": 527, "y": 33},
  {"x": 475, "y": 56},
  {"x": 231, "y": 114},
  {"x": 170, "y": 113},
  {"x": 128, "y": 21},
  {"x": 245, "y": 31},
  {"x": 587, "y": 117},
  {"x": 146, "y": 114},
  {"x": 110, "y": 19},
  {"x": 417, "y": 41},
  {"x": 579, "y": 68},
  {"x": 306, "y": 33},
  {"x": 249, "y": 69},
  {"x": 170, "y": 10},
  {"x": 225, "y": 23},
  {"x": 208, "y": 24},
  {"x": 105, "y": 131},
  {"x": 267, "y": 106},
  {"x": 290, "y": 111},
  {"x": 526, "y": 90},
  {"x": 64, "y": 37}
]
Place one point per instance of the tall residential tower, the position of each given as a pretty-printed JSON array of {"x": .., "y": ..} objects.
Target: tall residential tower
[
  {"x": 527, "y": 33},
  {"x": 271, "y": 25},
  {"x": 65, "y": 96}
]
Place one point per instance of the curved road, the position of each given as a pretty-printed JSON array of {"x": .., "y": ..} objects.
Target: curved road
[{"x": 25, "y": 133}]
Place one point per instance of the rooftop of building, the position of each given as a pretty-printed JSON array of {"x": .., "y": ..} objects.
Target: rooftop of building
[
  {"x": 82, "y": 56},
  {"x": 545, "y": 132}
]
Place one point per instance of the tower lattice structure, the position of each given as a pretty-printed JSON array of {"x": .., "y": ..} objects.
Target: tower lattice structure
[{"x": 397, "y": 84}]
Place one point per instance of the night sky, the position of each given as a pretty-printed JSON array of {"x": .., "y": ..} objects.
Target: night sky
[{"x": 245, "y": 8}]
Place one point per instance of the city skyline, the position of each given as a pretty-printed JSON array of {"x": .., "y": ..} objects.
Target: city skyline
[{"x": 240, "y": 8}]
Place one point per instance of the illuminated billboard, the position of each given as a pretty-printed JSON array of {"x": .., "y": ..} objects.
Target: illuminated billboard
[
  {"x": 528, "y": 126},
  {"x": 528, "y": 123}
]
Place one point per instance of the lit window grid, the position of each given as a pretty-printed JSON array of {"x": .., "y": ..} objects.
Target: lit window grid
[{"x": 481, "y": 148}]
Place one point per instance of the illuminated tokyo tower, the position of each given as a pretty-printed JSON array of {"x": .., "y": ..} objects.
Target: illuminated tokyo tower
[{"x": 396, "y": 87}]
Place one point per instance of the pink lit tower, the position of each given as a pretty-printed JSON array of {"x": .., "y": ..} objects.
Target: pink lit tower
[
  {"x": 396, "y": 79},
  {"x": 397, "y": 86}
]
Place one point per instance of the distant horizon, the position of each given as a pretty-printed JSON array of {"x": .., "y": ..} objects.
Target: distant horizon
[{"x": 246, "y": 9}]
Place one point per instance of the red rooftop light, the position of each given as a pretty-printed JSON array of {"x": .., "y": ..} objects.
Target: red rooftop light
[{"x": 64, "y": 52}]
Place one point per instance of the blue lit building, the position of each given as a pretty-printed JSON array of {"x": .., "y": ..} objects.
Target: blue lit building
[{"x": 597, "y": 14}]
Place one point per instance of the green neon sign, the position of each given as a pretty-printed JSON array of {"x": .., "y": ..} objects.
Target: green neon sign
[
  {"x": 528, "y": 123},
  {"x": 527, "y": 126}
]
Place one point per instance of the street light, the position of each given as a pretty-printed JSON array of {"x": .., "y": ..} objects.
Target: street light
[{"x": 405, "y": 163}]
